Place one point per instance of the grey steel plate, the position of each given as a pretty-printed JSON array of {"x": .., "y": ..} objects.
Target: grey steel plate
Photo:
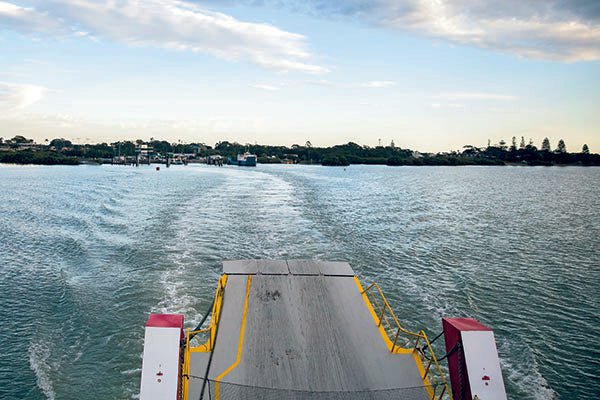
[
  {"x": 273, "y": 267},
  {"x": 306, "y": 333},
  {"x": 306, "y": 329},
  {"x": 304, "y": 267},
  {"x": 336, "y": 268},
  {"x": 240, "y": 267},
  {"x": 198, "y": 364}
]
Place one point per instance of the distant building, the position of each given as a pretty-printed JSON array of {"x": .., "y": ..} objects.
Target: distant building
[
  {"x": 215, "y": 160},
  {"x": 290, "y": 159},
  {"x": 143, "y": 150}
]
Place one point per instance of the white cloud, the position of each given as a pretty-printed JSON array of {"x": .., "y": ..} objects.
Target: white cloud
[
  {"x": 540, "y": 29},
  {"x": 475, "y": 96},
  {"x": 322, "y": 82},
  {"x": 377, "y": 84},
  {"x": 269, "y": 88},
  {"x": 171, "y": 24},
  {"x": 9, "y": 9},
  {"x": 15, "y": 97},
  {"x": 527, "y": 34},
  {"x": 25, "y": 19},
  {"x": 447, "y": 105},
  {"x": 354, "y": 85}
]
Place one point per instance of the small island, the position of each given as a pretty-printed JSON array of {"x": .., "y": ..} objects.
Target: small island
[{"x": 59, "y": 151}]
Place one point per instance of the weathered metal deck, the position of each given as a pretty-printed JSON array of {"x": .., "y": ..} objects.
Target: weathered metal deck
[{"x": 302, "y": 326}]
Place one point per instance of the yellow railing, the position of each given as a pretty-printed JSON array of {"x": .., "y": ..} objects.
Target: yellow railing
[
  {"x": 400, "y": 340},
  {"x": 208, "y": 345}
]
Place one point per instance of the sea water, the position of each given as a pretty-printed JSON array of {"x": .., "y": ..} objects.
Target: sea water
[{"x": 86, "y": 253}]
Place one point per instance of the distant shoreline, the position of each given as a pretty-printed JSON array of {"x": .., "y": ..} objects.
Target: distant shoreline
[
  {"x": 73, "y": 161},
  {"x": 23, "y": 151}
]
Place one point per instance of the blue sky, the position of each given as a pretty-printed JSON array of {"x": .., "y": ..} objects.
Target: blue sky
[{"x": 429, "y": 75}]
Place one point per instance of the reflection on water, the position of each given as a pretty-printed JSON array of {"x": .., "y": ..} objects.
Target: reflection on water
[{"x": 87, "y": 252}]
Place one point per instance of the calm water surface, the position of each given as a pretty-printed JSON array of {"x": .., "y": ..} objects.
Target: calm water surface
[{"x": 87, "y": 252}]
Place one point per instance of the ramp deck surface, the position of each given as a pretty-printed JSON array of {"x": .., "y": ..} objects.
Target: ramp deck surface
[{"x": 307, "y": 329}]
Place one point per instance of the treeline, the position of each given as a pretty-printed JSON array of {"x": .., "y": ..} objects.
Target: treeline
[
  {"x": 62, "y": 151},
  {"x": 352, "y": 153},
  {"x": 529, "y": 154},
  {"x": 126, "y": 148},
  {"x": 37, "y": 157},
  {"x": 344, "y": 154}
]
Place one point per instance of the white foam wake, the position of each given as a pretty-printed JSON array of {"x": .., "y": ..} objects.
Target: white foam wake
[{"x": 39, "y": 355}]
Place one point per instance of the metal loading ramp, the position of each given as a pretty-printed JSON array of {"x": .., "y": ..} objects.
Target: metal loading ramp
[{"x": 300, "y": 330}]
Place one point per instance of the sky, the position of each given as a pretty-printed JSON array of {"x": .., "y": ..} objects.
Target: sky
[{"x": 430, "y": 75}]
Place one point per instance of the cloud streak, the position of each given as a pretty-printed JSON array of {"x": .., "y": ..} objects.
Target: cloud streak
[
  {"x": 354, "y": 85},
  {"x": 475, "y": 96},
  {"x": 170, "y": 24},
  {"x": 377, "y": 84},
  {"x": 555, "y": 30},
  {"x": 14, "y": 97},
  {"x": 26, "y": 19},
  {"x": 537, "y": 30},
  {"x": 268, "y": 88}
]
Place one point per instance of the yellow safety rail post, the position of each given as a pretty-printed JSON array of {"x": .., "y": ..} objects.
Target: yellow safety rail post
[
  {"x": 439, "y": 369},
  {"x": 185, "y": 370},
  {"x": 214, "y": 320},
  {"x": 380, "y": 306},
  {"x": 210, "y": 342},
  {"x": 240, "y": 343}
]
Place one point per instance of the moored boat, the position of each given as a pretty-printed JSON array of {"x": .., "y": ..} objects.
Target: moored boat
[{"x": 244, "y": 160}]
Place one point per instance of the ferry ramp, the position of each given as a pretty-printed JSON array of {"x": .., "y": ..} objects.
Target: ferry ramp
[{"x": 299, "y": 329}]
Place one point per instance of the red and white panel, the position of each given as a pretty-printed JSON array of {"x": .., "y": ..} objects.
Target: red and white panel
[
  {"x": 473, "y": 362},
  {"x": 161, "y": 362},
  {"x": 483, "y": 365}
]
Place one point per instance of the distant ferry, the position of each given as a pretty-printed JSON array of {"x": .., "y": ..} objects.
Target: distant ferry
[
  {"x": 244, "y": 160},
  {"x": 308, "y": 329}
]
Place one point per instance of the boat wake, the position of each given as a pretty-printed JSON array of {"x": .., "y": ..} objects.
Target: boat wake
[
  {"x": 39, "y": 355},
  {"x": 178, "y": 298},
  {"x": 525, "y": 375}
]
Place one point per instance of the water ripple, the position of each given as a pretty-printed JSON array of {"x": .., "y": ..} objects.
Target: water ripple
[{"x": 86, "y": 253}]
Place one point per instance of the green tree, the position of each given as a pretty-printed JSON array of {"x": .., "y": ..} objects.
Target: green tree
[
  {"x": 585, "y": 149},
  {"x": 162, "y": 146},
  {"x": 21, "y": 139},
  {"x": 60, "y": 144},
  {"x": 513, "y": 146},
  {"x": 546, "y": 144},
  {"x": 531, "y": 147},
  {"x": 561, "y": 148},
  {"x": 522, "y": 145},
  {"x": 308, "y": 147}
]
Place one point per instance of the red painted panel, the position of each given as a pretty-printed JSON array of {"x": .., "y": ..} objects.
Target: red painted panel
[
  {"x": 466, "y": 324},
  {"x": 459, "y": 380},
  {"x": 166, "y": 320}
]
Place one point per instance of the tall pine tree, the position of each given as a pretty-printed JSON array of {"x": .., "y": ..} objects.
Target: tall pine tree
[{"x": 546, "y": 145}]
